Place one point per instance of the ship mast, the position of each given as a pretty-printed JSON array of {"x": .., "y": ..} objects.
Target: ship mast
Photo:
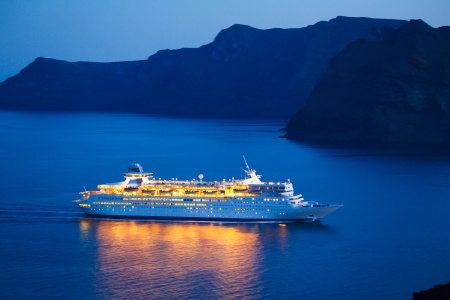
[
  {"x": 246, "y": 164},
  {"x": 253, "y": 178}
]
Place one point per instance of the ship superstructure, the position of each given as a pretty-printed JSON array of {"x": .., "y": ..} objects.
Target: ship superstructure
[{"x": 141, "y": 195}]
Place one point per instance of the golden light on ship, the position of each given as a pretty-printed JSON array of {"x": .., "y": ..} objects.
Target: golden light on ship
[{"x": 141, "y": 195}]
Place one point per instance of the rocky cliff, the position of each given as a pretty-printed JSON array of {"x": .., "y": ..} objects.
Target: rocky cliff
[
  {"x": 438, "y": 292},
  {"x": 243, "y": 72},
  {"x": 396, "y": 90}
]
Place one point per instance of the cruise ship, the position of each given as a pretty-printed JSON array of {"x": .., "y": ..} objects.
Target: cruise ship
[{"x": 141, "y": 195}]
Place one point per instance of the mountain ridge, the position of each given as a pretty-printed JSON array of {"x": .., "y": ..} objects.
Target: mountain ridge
[{"x": 243, "y": 72}]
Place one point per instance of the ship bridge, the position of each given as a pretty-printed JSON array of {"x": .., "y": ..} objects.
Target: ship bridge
[{"x": 135, "y": 170}]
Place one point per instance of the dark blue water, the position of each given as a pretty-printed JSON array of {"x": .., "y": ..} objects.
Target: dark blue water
[{"x": 391, "y": 238}]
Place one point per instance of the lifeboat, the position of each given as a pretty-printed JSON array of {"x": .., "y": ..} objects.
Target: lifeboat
[{"x": 191, "y": 192}]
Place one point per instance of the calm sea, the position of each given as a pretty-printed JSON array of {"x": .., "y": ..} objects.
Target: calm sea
[{"x": 391, "y": 238}]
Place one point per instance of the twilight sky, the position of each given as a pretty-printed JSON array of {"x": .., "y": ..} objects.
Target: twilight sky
[{"x": 113, "y": 30}]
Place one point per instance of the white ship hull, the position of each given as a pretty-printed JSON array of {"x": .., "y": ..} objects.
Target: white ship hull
[{"x": 249, "y": 210}]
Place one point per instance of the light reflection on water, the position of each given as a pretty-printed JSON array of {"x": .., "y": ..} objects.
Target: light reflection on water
[{"x": 177, "y": 260}]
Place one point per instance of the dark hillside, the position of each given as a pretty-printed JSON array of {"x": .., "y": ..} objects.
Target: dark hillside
[
  {"x": 243, "y": 72},
  {"x": 392, "y": 91}
]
